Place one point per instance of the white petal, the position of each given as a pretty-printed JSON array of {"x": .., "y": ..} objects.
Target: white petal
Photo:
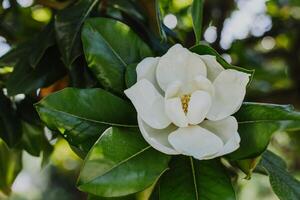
[
  {"x": 214, "y": 68},
  {"x": 158, "y": 138},
  {"x": 230, "y": 90},
  {"x": 227, "y": 130},
  {"x": 199, "y": 106},
  {"x": 179, "y": 64},
  {"x": 195, "y": 141},
  {"x": 175, "y": 112},
  {"x": 173, "y": 90},
  {"x": 148, "y": 103},
  {"x": 146, "y": 69},
  {"x": 202, "y": 83}
]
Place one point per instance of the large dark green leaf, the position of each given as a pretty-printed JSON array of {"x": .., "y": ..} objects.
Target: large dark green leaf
[
  {"x": 143, "y": 195},
  {"x": 130, "y": 75},
  {"x": 258, "y": 122},
  {"x": 152, "y": 12},
  {"x": 207, "y": 50},
  {"x": 68, "y": 24},
  {"x": 197, "y": 14},
  {"x": 109, "y": 46},
  {"x": 247, "y": 165},
  {"x": 32, "y": 50},
  {"x": 81, "y": 115},
  {"x": 25, "y": 79},
  {"x": 40, "y": 44},
  {"x": 284, "y": 185},
  {"x": 10, "y": 166},
  {"x": 129, "y": 7},
  {"x": 121, "y": 163},
  {"x": 11, "y": 57},
  {"x": 10, "y": 126},
  {"x": 34, "y": 140},
  {"x": 190, "y": 179}
]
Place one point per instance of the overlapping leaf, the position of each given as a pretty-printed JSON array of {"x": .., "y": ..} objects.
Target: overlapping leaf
[
  {"x": 32, "y": 50},
  {"x": 36, "y": 63},
  {"x": 197, "y": 14},
  {"x": 81, "y": 115},
  {"x": 258, "y": 122},
  {"x": 190, "y": 179},
  {"x": 10, "y": 166},
  {"x": 284, "y": 185},
  {"x": 121, "y": 163},
  {"x": 109, "y": 46},
  {"x": 68, "y": 23},
  {"x": 25, "y": 79},
  {"x": 10, "y": 125}
]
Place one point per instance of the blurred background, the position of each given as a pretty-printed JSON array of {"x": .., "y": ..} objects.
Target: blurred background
[{"x": 255, "y": 34}]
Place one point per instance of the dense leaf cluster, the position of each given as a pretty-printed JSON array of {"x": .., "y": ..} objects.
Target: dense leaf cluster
[{"x": 93, "y": 46}]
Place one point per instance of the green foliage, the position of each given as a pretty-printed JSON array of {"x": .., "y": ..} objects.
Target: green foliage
[
  {"x": 197, "y": 14},
  {"x": 96, "y": 45},
  {"x": 110, "y": 46},
  {"x": 190, "y": 179},
  {"x": 258, "y": 122},
  {"x": 10, "y": 125},
  {"x": 121, "y": 163},
  {"x": 26, "y": 79},
  {"x": 36, "y": 63},
  {"x": 68, "y": 24},
  {"x": 11, "y": 165},
  {"x": 284, "y": 185},
  {"x": 81, "y": 115},
  {"x": 130, "y": 75}
]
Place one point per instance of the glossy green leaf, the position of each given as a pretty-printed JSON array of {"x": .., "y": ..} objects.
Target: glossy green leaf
[
  {"x": 31, "y": 51},
  {"x": 81, "y": 115},
  {"x": 34, "y": 140},
  {"x": 109, "y": 46},
  {"x": 10, "y": 166},
  {"x": 258, "y": 122},
  {"x": 11, "y": 57},
  {"x": 197, "y": 14},
  {"x": 248, "y": 166},
  {"x": 121, "y": 163},
  {"x": 40, "y": 44},
  {"x": 129, "y": 7},
  {"x": 68, "y": 23},
  {"x": 284, "y": 185},
  {"x": 10, "y": 126},
  {"x": 190, "y": 179},
  {"x": 25, "y": 79},
  {"x": 143, "y": 195},
  {"x": 153, "y": 19},
  {"x": 207, "y": 50},
  {"x": 130, "y": 75}
]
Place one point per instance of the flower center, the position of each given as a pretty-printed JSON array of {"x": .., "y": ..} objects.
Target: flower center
[{"x": 185, "y": 99}]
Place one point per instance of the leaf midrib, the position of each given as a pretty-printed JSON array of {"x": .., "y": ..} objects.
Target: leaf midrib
[
  {"x": 77, "y": 30},
  {"x": 194, "y": 179},
  {"x": 109, "y": 46},
  {"x": 120, "y": 163},
  {"x": 267, "y": 120},
  {"x": 86, "y": 119},
  {"x": 281, "y": 170}
]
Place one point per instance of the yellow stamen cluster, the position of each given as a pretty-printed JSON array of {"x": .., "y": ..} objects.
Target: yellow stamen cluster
[{"x": 185, "y": 99}]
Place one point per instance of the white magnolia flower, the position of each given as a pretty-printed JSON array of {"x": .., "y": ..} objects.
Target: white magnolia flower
[{"x": 185, "y": 101}]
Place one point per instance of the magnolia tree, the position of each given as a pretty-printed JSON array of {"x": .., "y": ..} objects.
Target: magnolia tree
[{"x": 151, "y": 118}]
